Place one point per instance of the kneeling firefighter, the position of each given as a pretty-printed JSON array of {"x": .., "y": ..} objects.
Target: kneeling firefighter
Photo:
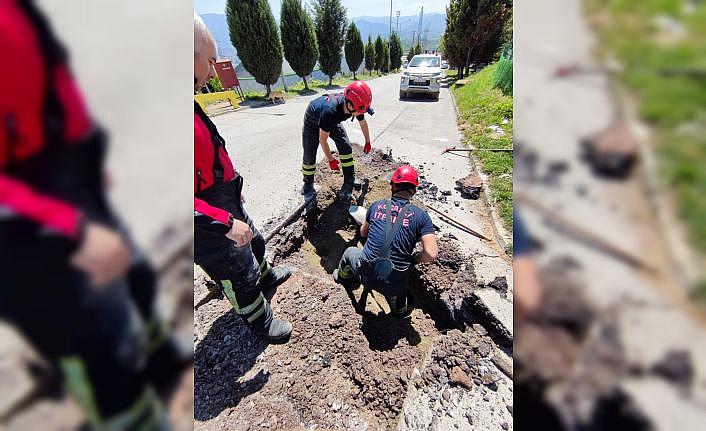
[{"x": 392, "y": 227}]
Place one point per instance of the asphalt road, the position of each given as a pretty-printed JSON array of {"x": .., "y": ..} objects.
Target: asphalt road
[{"x": 265, "y": 144}]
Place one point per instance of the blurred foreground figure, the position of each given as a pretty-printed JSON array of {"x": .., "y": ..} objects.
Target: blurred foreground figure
[{"x": 73, "y": 283}]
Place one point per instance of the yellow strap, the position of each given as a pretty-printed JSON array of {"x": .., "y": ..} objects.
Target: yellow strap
[{"x": 347, "y": 164}]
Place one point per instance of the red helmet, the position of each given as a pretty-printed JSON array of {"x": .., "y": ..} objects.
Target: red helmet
[
  {"x": 405, "y": 174},
  {"x": 359, "y": 94}
]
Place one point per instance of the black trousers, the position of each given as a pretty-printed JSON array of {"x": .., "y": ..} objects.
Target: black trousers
[
  {"x": 101, "y": 333},
  {"x": 310, "y": 143},
  {"x": 236, "y": 269}
]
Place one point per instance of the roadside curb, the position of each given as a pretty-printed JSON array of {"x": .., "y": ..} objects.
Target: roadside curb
[
  {"x": 500, "y": 233},
  {"x": 682, "y": 256}
]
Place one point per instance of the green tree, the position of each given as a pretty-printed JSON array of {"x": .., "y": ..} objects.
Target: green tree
[
  {"x": 379, "y": 54},
  {"x": 417, "y": 49},
  {"x": 354, "y": 48},
  {"x": 410, "y": 54},
  {"x": 370, "y": 55},
  {"x": 395, "y": 52},
  {"x": 385, "y": 56},
  {"x": 261, "y": 50},
  {"x": 298, "y": 39},
  {"x": 475, "y": 30},
  {"x": 330, "y": 23}
]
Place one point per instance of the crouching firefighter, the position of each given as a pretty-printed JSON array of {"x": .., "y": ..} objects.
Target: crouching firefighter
[
  {"x": 392, "y": 227},
  {"x": 322, "y": 120},
  {"x": 227, "y": 245}
]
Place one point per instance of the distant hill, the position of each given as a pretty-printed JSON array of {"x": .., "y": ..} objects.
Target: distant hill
[{"x": 435, "y": 23}]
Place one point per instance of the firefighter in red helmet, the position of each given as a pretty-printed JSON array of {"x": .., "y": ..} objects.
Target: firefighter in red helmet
[
  {"x": 393, "y": 228},
  {"x": 322, "y": 120}
]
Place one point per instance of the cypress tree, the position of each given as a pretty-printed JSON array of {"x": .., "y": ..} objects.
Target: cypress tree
[
  {"x": 385, "y": 56},
  {"x": 330, "y": 23},
  {"x": 379, "y": 54},
  {"x": 410, "y": 54},
  {"x": 395, "y": 52},
  {"x": 354, "y": 48},
  {"x": 370, "y": 55},
  {"x": 298, "y": 39},
  {"x": 261, "y": 50}
]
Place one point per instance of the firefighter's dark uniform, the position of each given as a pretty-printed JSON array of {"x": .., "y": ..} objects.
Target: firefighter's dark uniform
[
  {"x": 326, "y": 113},
  {"x": 51, "y": 183},
  {"x": 358, "y": 265},
  {"x": 217, "y": 202}
]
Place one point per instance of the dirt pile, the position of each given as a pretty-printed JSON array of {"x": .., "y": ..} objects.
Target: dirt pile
[
  {"x": 569, "y": 361},
  {"x": 339, "y": 369}
]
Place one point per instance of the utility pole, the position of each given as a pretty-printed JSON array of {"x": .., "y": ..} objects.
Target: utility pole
[
  {"x": 419, "y": 27},
  {"x": 398, "y": 22},
  {"x": 389, "y": 39}
]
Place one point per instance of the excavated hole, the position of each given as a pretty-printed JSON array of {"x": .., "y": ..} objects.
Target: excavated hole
[{"x": 339, "y": 370}]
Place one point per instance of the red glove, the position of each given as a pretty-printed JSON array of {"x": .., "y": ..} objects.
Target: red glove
[
  {"x": 333, "y": 164},
  {"x": 367, "y": 147}
]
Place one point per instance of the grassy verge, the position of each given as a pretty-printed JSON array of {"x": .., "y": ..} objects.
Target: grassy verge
[
  {"x": 486, "y": 115},
  {"x": 660, "y": 45}
]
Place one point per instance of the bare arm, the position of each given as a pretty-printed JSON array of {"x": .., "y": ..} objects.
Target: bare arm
[
  {"x": 430, "y": 248},
  {"x": 365, "y": 129},
  {"x": 364, "y": 229},
  {"x": 323, "y": 141},
  {"x": 528, "y": 289}
]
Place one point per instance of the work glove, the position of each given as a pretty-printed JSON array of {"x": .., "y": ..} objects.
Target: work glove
[
  {"x": 333, "y": 164},
  {"x": 367, "y": 147}
]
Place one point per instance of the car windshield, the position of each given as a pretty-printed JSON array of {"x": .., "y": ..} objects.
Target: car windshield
[{"x": 424, "y": 62}]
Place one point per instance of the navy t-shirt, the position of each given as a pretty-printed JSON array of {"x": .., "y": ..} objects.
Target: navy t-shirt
[
  {"x": 326, "y": 111},
  {"x": 416, "y": 224}
]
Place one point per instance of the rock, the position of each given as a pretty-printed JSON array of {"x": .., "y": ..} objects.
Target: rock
[
  {"x": 503, "y": 364},
  {"x": 480, "y": 330},
  {"x": 499, "y": 284},
  {"x": 676, "y": 367},
  {"x": 488, "y": 377},
  {"x": 446, "y": 395},
  {"x": 460, "y": 378},
  {"x": 505, "y": 426},
  {"x": 336, "y": 406},
  {"x": 484, "y": 348},
  {"x": 326, "y": 360},
  {"x": 336, "y": 320},
  {"x": 470, "y": 186},
  {"x": 457, "y": 203}
]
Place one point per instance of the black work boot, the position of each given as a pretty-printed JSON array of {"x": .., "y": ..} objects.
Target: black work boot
[
  {"x": 309, "y": 195},
  {"x": 275, "y": 330},
  {"x": 399, "y": 308},
  {"x": 350, "y": 284},
  {"x": 345, "y": 195},
  {"x": 275, "y": 277}
]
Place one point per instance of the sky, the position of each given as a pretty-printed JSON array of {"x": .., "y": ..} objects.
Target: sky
[{"x": 355, "y": 8}]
